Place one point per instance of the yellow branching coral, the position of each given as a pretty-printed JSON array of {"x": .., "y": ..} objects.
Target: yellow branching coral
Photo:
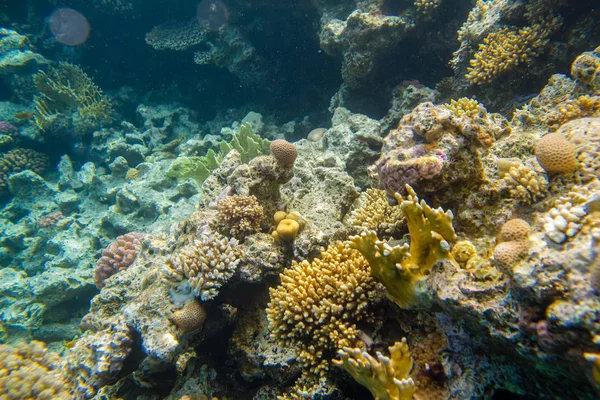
[
  {"x": 400, "y": 268},
  {"x": 30, "y": 371},
  {"x": 66, "y": 90},
  {"x": 373, "y": 212},
  {"x": 464, "y": 107},
  {"x": 503, "y": 50},
  {"x": 317, "y": 305},
  {"x": 386, "y": 377},
  {"x": 426, "y": 6}
]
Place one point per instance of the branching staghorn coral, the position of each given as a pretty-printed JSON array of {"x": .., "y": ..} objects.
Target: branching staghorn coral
[
  {"x": 65, "y": 90},
  {"x": 208, "y": 263},
  {"x": 387, "y": 378},
  {"x": 373, "y": 212},
  {"x": 317, "y": 305},
  {"x": 400, "y": 268}
]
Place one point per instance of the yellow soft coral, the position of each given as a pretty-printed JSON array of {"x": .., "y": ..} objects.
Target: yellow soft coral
[
  {"x": 386, "y": 377},
  {"x": 400, "y": 268}
]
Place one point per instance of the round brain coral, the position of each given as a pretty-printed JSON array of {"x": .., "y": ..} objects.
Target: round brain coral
[
  {"x": 191, "y": 317},
  {"x": 507, "y": 254},
  {"x": 556, "y": 154},
  {"x": 284, "y": 152},
  {"x": 515, "y": 230}
]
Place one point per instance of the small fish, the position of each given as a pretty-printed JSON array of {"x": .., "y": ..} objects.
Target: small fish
[{"x": 24, "y": 116}]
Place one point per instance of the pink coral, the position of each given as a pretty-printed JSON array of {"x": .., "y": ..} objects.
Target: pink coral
[{"x": 118, "y": 256}]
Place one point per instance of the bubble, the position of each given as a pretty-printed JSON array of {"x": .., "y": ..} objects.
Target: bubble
[
  {"x": 212, "y": 14},
  {"x": 69, "y": 27}
]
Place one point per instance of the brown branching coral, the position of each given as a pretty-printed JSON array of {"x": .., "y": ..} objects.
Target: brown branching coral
[
  {"x": 30, "y": 371},
  {"x": 373, "y": 212},
  {"x": 208, "y": 263},
  {"x": 317, "y": 305},
  {"x": 524, "y": 184},
  {"x": 118, "y": 256},
  {"x": 20, "y": 160},
  {"x": 240, "y": 216}
]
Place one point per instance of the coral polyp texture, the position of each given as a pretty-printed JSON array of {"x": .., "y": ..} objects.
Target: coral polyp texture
[
  {"x": 240, "y": 216},
  {"x": 191, "y": 317},
  {"x": 118, "y": 256},
  {"x": 387, "y": 378},
  {"x": 400, "y": 268},
  {"x": 556, "y": 154},
  {"x": 316, "y": 308},
  {"x": 18, "y": 160},
  {"x": 513, "y": 243},
  {"x": 30, "y": 371},
  {"x": 207, "y": 263},
  {"x": 284, "y": 152}
]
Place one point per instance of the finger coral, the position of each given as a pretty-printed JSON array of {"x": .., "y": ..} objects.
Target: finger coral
[
  {"x": 240, "y": 216},
  {"x": 30, "y": 371},
  {"x": 400, "y": 268},
  {"x": 373, "y": 212},
  {"x": 387, "y": 378},
  {"x": 523, "y": 183},
  {"x": 568, "y": 216},
  {"x": 118, "y": 256},
  {"x": 316, "y": 307},
  {"x": 20, "y": 160},
  {"x": 208, "y": 263}
]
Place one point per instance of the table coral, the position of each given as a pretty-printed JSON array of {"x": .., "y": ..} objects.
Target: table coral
[
  {"x": 400, "y": 268},
  {"x": 208, "y": 263},
  {"x": 387, "y": 378},
  {"x": 316, "y": 307}
]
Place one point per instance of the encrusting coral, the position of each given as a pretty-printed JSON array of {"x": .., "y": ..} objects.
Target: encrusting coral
[
  {"x": 387, "y": 378},
  {"x": 240, "y": 216},
  {"x": 400, "y": 268},
  {"x": 30, "y": 371},
  {"x": 373, "y": 212},
  {"x": 118, "y": 256},
  {"x": 208, "y": 263},
  {"x": 316, "y": 307}
]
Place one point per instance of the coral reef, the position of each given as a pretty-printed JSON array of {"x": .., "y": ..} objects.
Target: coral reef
[
  {"x": 176, "y": 36},
  {"x": 373, "y": 212},
  {"x": 191, "y": 317},
  {"x": 556, "y": 154},
  {"x": 118, "y": 256},
  {"x": 284, "y": 152}
]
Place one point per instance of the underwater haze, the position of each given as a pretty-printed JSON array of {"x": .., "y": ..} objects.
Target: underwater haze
[{"x": 303, "y": 199}]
